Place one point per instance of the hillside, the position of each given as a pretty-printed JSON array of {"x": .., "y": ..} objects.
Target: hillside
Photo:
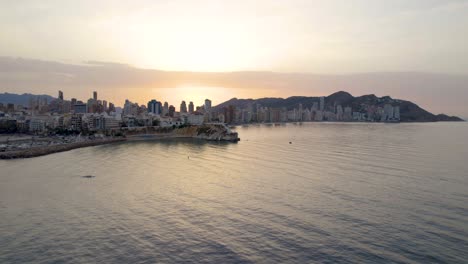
[
  {"x": 21, "y": 99},
  {"x": 409, "y": 111}
]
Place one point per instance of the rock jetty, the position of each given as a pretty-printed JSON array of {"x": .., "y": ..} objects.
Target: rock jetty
[
  {"x": 209, "y": 132},
  {"x": 45, "y": 150}
]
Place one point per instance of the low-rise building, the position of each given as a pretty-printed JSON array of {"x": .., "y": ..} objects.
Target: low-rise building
[
  {"x": 76, "y": 122},
  {"x": 37, "y": 126},
  {"x": 195, "y": 119}
]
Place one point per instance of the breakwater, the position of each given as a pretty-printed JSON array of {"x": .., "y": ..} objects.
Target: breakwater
[{"x": 45, "y": 150}]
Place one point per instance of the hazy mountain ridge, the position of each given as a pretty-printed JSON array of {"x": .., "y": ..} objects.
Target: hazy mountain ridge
[
  {"x": 437, "y": 92},
  {"x": 409, "y": 111},
  {"x": 21, "y": 99}
]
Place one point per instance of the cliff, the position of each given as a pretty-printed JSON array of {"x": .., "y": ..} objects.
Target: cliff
[{"x": 22, "y": 99}]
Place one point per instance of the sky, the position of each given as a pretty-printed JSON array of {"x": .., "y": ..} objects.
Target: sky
[{"x": 295, "y": 41}]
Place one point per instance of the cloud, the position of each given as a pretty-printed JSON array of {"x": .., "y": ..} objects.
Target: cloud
[{"x": 107, "y": 64}]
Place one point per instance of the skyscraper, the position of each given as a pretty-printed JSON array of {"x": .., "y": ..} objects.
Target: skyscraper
[
  {"x": 230, "y": 114},
  {"x": 207, "y": 105},
  {"x": 396, "y": 113},
  {"x": 300, "y": 113},
  {"x": 111, "y": 107},
  {"x": 127, "y": 109},
  {"x": 339, "y": 113},
  {"x": 153, "y": 107},
  {"x": 99, "y": 106},
  {"x": 191, "y": 107},
  {"x": 95, "y": 96},
  {"x": 80, "y": 108},
  {"x": 73, "y": 103},
  {"x": 183, "y": 107},
  {"x": 171, "y": 111},
  {"x": 165, "y": 108},
  {"x": 60, "y": 95}
]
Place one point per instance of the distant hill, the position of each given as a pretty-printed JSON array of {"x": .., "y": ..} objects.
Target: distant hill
[
  {"x": 409, "y": 112},
  {"x": 21, "y": 99}
]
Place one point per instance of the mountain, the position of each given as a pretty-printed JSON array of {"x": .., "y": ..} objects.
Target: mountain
[
  {"x": 409, "y": 111},
  {"x": 21, "y": 99}
]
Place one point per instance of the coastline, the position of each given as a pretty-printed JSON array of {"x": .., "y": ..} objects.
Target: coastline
[
  {"x": 181, "y": 133},
  {"x": 210, "y": 132},
  {"x": 46, "y": 150}
]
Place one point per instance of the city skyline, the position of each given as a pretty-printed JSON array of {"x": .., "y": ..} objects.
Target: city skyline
[
  {"x": 233, "y": 131},
  {"x": 442, "y": 93},
  {"x": 158, "y": 49}
]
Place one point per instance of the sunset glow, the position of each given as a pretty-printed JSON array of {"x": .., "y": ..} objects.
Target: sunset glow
[
  {"x": 233, "y": 131},
  {"x": 226, "y": 49}
]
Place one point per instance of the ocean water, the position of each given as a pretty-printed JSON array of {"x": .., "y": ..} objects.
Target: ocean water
[{"x": 311, "y": 193}]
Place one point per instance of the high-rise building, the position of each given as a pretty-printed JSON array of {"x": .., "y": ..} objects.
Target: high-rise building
[
  {"x": 347, "y": 114},
  {"x": 154, "y": 107},
  {"x": 171, "y": 111},
  {"x": 104, "y": 105},
  {"x": 229, "y": 114},
  {"x": 66, "y": 107},
  {"x": 99, "y": 106},
  {"x": 60, "y": 95},
  {"x": 207, "y": 105},
  {"x": 315, "y": 106},
  {"x": 387, "y": 113},
  {"x": 191, "y": 107},
  {"x": 300, "y": 112},
  {"x": 339, "y": 113},
  {"x": 80, "y": 108},
  {"x": 396, "y": 113},
  {"x": 166, "y": 108},
  {"x": 111, "y": 107},
  {"x": 128, "y": 106},
  {"x": 91, "y": 106},
  {"x": 322, "y": 103},
  {"x": 183, "y": 107},
  {"x": 95, "y": 96}
]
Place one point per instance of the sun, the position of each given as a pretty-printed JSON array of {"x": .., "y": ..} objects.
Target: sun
[{"x": 184, "y": 44}]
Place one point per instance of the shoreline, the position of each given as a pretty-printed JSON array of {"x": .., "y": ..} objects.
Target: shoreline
[
  {"x": 207, "y": 133},
  {"x": 46, "y": 150},
  {"x": 42, "y": 151}
]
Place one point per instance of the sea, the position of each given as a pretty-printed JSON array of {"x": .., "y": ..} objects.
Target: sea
[{"x": 295, "y": 193}]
